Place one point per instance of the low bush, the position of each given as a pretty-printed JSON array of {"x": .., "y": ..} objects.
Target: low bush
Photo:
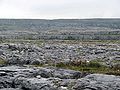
[
  {"x": 94, "y": 64},
  {"x": 2, "y": 61}
]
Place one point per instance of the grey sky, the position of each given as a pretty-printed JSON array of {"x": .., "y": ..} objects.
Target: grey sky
[{"x": 56, "y": 9}]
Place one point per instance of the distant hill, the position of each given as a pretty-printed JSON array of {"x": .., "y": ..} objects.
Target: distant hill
[
  {"x": 42, "y": 24},
  {"x": 60, "y": 28}
]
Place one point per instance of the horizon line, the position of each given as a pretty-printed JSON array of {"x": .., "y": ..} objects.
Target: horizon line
[{"x": 61, "y": 18}]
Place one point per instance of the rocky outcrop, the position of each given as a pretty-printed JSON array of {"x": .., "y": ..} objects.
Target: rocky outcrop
[
  {"x": 33, "y": 78},
  {"x": 98, "y": 82},
  {"x": 38, "y": 78}
]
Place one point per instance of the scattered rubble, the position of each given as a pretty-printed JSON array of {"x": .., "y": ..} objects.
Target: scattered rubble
[
  {"x": 24, "y": 76},
  {"x": 52, "y": 53}
]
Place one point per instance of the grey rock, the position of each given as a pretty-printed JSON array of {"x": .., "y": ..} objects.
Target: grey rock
[
  {"x": 33, "y": 84},
  {"x": 11, "y": 89},
  {"x": 98, "y": 82},
  {"x": 22, "y": 54},
  {"x": 67, "y": 74},
  {"x": 59, "y": 73},
  {"x": 38, "y": 78}
]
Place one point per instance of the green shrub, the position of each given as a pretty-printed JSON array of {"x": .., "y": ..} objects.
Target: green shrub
[
  {"x": 61, "y": 65},
  {"x": 94, "y": 64},
  {"x": 2, "y": 61}
]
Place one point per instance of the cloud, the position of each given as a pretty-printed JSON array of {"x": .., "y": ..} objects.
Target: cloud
[{"x": 50, "y": 9}]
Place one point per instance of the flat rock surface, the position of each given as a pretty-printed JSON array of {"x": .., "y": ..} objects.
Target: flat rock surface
[
  {"x": 49, "y": 78},
  {"x": 36, "y": 78},
  {"x": 98, "y": 82}
]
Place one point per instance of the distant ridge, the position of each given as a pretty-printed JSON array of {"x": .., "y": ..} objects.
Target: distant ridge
[
  {"x": 60, "y": 19},
  {"x": 97, "y": 28}
]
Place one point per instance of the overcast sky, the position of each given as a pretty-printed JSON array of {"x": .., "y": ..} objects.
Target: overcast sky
[{"x": 59, "y": 9}]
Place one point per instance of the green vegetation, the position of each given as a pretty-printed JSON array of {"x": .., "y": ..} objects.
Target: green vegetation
[
  {"x": 2, "y": 61},
  {"x": 73, "y": 41},
  {"x": 91, "y": 67}
]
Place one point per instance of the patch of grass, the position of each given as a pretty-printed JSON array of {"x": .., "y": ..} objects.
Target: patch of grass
[
  {"x": 116, "y": 61},
  {"x": 91, "y": 67},
  {"x": 2, "y": 61}
]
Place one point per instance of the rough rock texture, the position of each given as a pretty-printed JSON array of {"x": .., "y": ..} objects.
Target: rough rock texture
[
  {"x": 98, "y": 82},
  {"x": 33, "y": 78},
  {"x": 38, "y": 78},
  {"x": 55, "y": 53},
  {"x": 10, "y": 89},
  {"x": 24, "y": 76}
]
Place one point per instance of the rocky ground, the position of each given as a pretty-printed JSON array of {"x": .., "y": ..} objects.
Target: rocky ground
[
  {"x": 17, "y": 70},
  {"x": 107, "y": 54},
  {"x": 34, "y": 78}
]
